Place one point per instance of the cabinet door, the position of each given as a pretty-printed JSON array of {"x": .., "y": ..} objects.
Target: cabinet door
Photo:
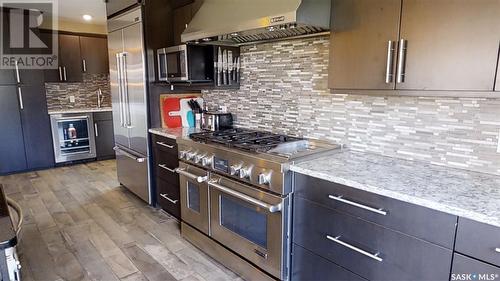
[
  {"x": 115, "y": 6},
  {"x": 94, "y": 55},
  {"x": 451, "y": 44},
  {"x": 8, "y": 77},
  {"x": 361, "y": 31},
  {"x": 182, "y": 17},
  {"x": 104, "y": 139},
  {"x": 70, "y": 57},
  {"x": 463, "y": 265},
  {"x": 36, "y": 125},
  {"x": 12, "y": 154}
]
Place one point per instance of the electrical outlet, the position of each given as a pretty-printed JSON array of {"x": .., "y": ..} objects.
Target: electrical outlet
[
  {"x": 498, "y": 142},
  {"x": 72, "y": 99}
]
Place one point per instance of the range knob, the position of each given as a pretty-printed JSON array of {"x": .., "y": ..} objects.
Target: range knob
[
  {"x": 246, "y": 172},
  {"x": 190, "y": 155},
  {"x": 234, "y": 169},
  {"x": 265, "y": 178},
  {"x": 206, "y": 161},
  {"x": 198, "y": 158},
  {"x": 182, "y": 154}
]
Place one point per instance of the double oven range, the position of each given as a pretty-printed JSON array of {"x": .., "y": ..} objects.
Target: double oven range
[{"x": 236, "y": 188}]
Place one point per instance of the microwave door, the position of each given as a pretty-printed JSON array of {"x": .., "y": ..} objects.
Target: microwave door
[{"x": 162, "y": 65}]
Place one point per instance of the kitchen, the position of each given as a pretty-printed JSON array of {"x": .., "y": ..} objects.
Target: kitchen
[{"x": 217, "y": 149}]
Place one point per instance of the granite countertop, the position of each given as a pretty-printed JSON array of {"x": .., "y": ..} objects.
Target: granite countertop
[
  {"x": 80, "y": 110},
  {"x": 7, "y": 233},
  {"x": 463, "y": 193},
  {"x": 174, "y": 133}
]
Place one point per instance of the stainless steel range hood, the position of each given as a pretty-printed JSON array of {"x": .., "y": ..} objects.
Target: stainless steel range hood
[{"x": 237, "y": 22}]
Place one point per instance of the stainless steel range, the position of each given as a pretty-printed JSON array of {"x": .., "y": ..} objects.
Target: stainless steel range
[{"x": 235, "y": 188}]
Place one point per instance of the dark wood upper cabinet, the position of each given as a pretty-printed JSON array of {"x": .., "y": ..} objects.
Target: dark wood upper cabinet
[
  {"x": 451, "y": 44},
  {"x": 115, "y": 6},
  {"x": 94, "y": 51},
  {"x": 69, "y": 62},
  {"x": 415, "y": 46},
  {"x": 361, "y": 32},
  {"x": 497, "y": 84},
  {"x": 69, "y": 57}
]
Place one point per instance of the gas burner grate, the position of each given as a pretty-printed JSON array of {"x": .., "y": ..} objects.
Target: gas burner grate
[{"x": 247, "y": 140}]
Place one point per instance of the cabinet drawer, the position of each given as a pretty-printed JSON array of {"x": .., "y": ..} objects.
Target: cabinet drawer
[
  {"x": 163, "y": 144},
  {"x": 424, "y": 223},
  {"x": 478, "y": 240},
  {"x": 165, "y": 164},
  {"x": 369, "y": 250},
  {"x": 168, "y": 197},
  {"x": 465, "y": 266},
  {"x": 308, "y": 266},
  {"x": 103, "y": 116}
]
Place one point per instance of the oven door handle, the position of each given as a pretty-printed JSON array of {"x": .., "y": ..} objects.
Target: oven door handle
[
  {"x": 182, "y": 171},
  {"x": 244, "y": 197}
]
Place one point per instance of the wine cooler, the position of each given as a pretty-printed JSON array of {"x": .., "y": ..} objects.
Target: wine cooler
[{"x": 73, "y": 136}]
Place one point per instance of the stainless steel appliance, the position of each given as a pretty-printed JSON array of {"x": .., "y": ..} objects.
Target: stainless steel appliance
[
  {"x": 185, "y": 63},
  {"x": 215, "y": 121},
  {"x": 129, "y": 100},
  {"x": 235, "y": 188},
  {"x": 73, "y": 137},
  {"x": 240, "y": 22}
]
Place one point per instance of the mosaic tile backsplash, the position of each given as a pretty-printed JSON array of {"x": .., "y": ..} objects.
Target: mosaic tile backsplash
[
  {"x": 284, "y": 89},
  {"x": 85, "y": 93}
]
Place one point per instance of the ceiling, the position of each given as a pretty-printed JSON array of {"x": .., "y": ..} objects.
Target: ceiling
[{"x": 73, "y": 10}]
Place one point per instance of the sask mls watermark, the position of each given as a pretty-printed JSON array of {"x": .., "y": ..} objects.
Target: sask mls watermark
[{"x": 22, "y": 44}]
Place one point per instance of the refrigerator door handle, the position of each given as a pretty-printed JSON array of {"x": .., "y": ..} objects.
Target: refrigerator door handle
[
  {"x": 129, "y": 155},
  {"x": 119, "y": 80},
  {"x": 128, "y": 116}
]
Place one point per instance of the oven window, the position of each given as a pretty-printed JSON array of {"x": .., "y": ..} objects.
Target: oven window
[
  {"x": 173, "y": 64},
  {"x": 244, "y": 220},
  {"x": 193, "y": 200}
]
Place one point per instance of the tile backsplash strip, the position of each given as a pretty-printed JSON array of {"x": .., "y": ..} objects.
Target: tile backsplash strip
[
  {"x": 85, "y": 93},
  {"x": 284, "y": 89}
]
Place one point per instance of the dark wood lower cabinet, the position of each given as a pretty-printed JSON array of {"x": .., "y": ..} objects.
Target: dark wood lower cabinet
[
  {"x": 104, "y": 135},
  {"x": 36, "y": 127},
  {"x": 167, "y": 180},
  {"x": 308, "y": 266},
  {"x": 12, "y": 153},
  {"x": 465, "y": 267}
]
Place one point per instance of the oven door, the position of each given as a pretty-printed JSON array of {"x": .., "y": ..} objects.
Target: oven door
[
  {"x": 250, "y": 222},
  {"x": 175, "y": 62},
  {"x": 194, "y": 196}
]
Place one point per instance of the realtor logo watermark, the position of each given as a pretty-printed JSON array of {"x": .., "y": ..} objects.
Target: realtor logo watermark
[
  {"x": 22, "y": 45},
  {"x": 474, "y": 276}
]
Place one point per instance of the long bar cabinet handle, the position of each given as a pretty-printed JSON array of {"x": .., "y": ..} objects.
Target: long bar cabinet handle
[
  {"x": 164, "y": 144},
  {"x": 340, "y": 198},
  {"x": 337, "y": 240},
  {"x": 163, "y": 166},
  {"x": 390, "y": 62},
  {"x": 164, "y": 195},
  {"x": 402, "y": 61}
]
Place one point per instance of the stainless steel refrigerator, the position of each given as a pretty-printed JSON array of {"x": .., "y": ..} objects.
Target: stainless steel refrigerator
[{"x": 128, "y": 88}]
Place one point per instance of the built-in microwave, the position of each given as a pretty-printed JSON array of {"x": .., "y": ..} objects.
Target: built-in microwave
[{"x": 185, "y": 63}]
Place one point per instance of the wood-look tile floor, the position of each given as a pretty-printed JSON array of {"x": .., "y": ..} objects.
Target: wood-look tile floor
[{"x": 80, "y": 224}]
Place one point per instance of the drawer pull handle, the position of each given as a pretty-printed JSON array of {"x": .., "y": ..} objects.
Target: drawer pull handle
[
  {"x": 163, "y": 166},
  {"x": 337, "y": 240},
  {"x": 164, "y": 144},
  {"x": 497, "y": 250},
  {"x": 164, "y": 195},
  {"x": 371, "y": 209}
]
